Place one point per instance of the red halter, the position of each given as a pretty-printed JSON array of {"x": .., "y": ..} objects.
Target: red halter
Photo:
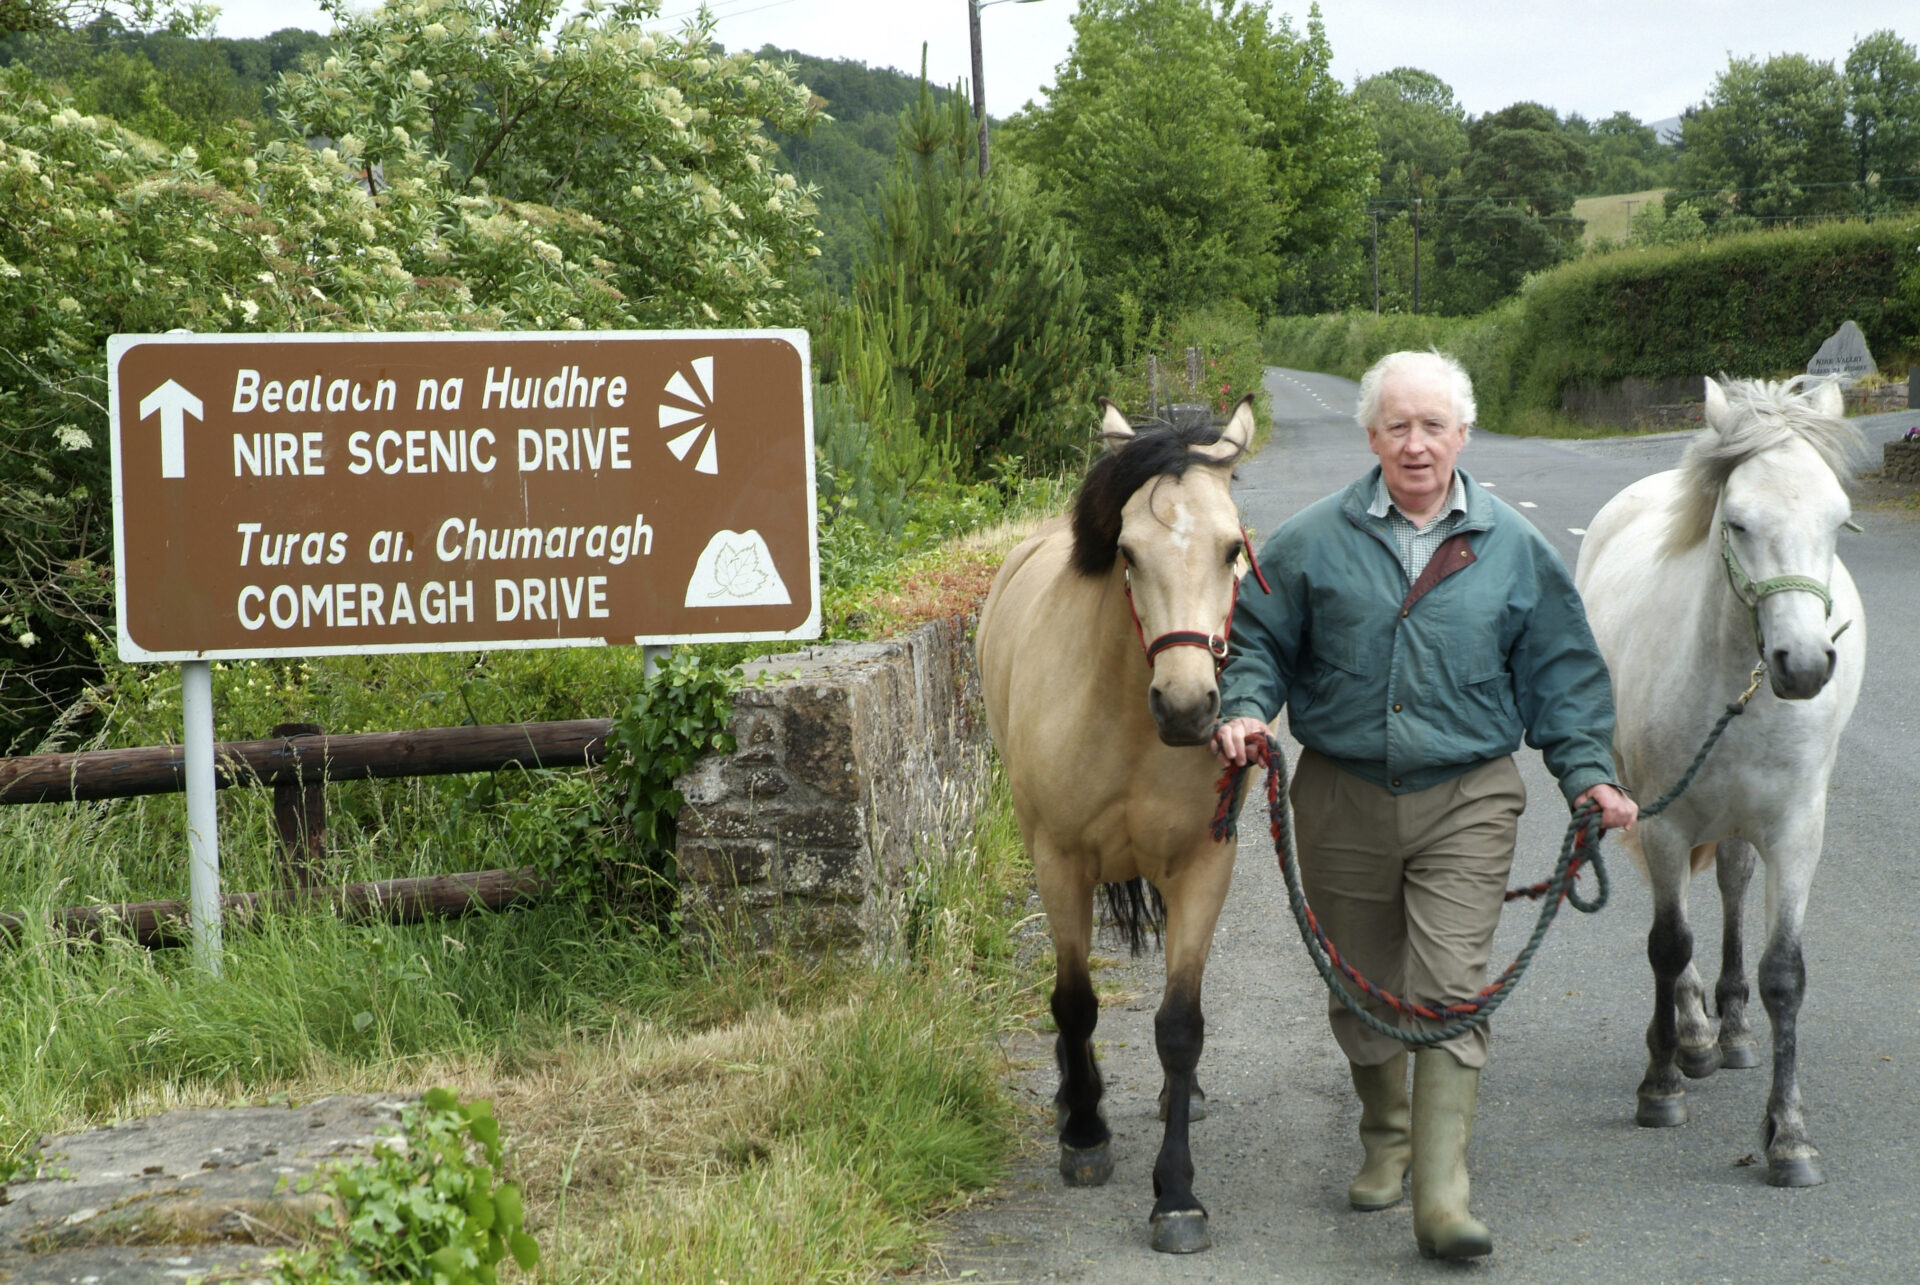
[{"x": 1214, "y": 644}]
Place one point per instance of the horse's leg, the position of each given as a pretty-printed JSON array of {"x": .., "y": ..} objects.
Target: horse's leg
[
  {"x": 1662, "y": 1096},
  {"x": 1697, "y": 1056},
  {"x": 1792, "y": 1161},
  {"x": 1733, "y": 869},
  {"x": 1086, "y": 1152},
  {"x": 1194, "y": 896}
]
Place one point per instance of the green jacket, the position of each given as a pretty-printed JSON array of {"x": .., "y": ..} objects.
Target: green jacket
[{"x": 1409, "y": 686}]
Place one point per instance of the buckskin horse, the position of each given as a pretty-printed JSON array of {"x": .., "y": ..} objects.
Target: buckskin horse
[
  {"x": 1687, "y": 575},
  {"x": 1099, "y": 647}
]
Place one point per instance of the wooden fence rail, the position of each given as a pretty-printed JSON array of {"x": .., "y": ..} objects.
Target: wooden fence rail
[
  {"x": 298, "y": 761},
  {"x": 305, "y": 759}
]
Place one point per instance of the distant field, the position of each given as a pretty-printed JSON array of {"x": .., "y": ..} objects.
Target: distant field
[{"x": 1607, "y": 216}]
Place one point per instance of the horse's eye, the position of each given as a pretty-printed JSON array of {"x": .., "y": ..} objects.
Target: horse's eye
[
  {"x": 1736, "y": 527},
  {"x": 1233, "y": 554},
  {"x": 1125, "y": 556}
]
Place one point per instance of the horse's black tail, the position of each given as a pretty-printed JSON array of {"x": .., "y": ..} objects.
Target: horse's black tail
[{"x": 1136, "y": 911}]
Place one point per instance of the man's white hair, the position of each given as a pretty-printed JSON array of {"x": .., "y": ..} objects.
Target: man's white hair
[{"x": 1431, "y": 362}]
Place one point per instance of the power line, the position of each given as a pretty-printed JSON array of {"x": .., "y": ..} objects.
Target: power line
[{"x": 716, "y": 10}]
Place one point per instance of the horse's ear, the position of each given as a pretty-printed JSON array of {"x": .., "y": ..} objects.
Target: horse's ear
[
  {"x": 1235, "y": 438},
  {"x": 1827, "y": 399},
  {"x": 1113, "y": 426},
  {"x": 1717, "y": 413}
]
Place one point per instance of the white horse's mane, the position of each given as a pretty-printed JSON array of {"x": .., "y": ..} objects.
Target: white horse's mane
[{"x": 1762, "y": 414}]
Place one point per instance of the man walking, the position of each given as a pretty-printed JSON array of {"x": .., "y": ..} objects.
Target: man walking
[{"x": 1416, "y": 630}]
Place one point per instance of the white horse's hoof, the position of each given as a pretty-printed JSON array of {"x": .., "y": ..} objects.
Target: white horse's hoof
[
  {"x": 1698, "y": 1064},
  {"x": 1794, "y": 1171},
  {"x": 1183, "y": 1231},
  {"x": 1742, "y": 1056},
  {"x": 1086, "y": 1166},
  {"x": 1663, "y": 1112}
]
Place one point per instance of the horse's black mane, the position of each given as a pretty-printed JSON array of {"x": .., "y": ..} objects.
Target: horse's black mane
[{"x": 1158, "y": 449}]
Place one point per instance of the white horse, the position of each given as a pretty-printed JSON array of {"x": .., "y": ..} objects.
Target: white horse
[{"x": 1689, "y": 577}]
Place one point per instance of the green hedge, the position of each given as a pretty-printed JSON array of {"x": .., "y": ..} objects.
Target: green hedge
[
  {"x": 1756, "y": 305},
  {"x": 1347, "y": 343}
]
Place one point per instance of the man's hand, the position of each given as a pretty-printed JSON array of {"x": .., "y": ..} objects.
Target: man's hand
[
  {"x": 1617, "y": 811},
  {"x": 1230, "y": 739}
]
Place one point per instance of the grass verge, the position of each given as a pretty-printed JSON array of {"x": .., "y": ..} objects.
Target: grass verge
[{"x": 676, "y": 1107}]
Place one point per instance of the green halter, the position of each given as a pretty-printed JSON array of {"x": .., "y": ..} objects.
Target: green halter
[{"x": 1750, "y": 591}]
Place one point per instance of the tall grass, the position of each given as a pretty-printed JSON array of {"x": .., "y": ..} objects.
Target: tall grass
[{"x": 678, "y": 1108}]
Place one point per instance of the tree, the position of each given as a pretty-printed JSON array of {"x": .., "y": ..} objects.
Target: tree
[
  {"x": 1509, "y": 209},
  {"x": 1148, "y": 151},
  {"x": 1623, "y": 155},
  {"x": 660, "y": 140},
  {"x": 1883, "y": 121},
  {"x": 18, "y": 16},
  {"x": 973, "y": 299},
  {"x": 1320, "y": 149},
  {"x": 108, "y": 232},
  {"x": 1770, "y": 142},
  {"x": 1421, "y": 130},
  {"x": 845, "y": 156}
]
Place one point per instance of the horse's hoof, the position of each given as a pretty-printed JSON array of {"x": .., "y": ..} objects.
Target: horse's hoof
[
  {"x": 1086, "y": 1166},
  {"x": 1183, "y": 1231},
  {"x": 1698, "y": 1064},
  {"x": 1739, "y": 1057},
  {"x": 1196, "y": 1106},
  {"x": 1794, "y": 1171},
  {"x": 1662, "y": 1112}
]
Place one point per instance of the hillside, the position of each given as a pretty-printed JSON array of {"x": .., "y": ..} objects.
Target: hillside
[
  {"x": 849, "y": 155},
  {"x": 1607, "y": 216}
]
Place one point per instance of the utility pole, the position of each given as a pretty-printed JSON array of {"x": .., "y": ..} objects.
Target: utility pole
[
  {"x": 1416, "y": 256},
  {"x": 979, "y": 83},
  {"x": 979, "y": 75},
  {"x": 1376, "y": 263}
]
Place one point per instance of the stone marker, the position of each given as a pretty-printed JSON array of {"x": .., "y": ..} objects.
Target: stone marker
[
  {"x": 1844, "y": 354},
  {"x": 164, "y": 1199}
]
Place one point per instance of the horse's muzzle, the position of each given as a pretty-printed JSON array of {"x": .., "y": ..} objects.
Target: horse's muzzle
[
  {"x": 1800, "y": 673},
  {"x": 1184, "y": 722}
]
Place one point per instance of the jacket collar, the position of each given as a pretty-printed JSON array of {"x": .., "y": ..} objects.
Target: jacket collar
[{"x": 1356, "y": 499}]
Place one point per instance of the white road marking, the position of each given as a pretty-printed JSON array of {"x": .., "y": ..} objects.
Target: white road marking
[
  {"x": 1528, "y": 504},
  {"x": 1576, "y": 530},
  {"x": 1489, "y": 485}
]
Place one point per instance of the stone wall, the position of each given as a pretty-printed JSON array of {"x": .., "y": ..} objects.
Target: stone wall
[
  {"x": 1625, "y": 405},
  {"x": 1902, "y": 462},
  {"x": 856, "y": 762}
]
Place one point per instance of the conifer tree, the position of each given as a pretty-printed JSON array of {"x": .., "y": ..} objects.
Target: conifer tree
[{"x": 976, "y": 297}]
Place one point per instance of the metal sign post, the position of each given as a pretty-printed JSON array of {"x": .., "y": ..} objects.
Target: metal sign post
[
  {"x": 203, "y": 828},
  {"x": 352, "y": 494}
]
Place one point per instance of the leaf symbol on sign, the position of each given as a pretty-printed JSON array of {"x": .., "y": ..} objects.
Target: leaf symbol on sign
[{"x": 737, "y": 571}]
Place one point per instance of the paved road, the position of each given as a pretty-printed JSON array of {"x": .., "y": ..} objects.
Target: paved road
[{"x": 1572, "y": 1189}]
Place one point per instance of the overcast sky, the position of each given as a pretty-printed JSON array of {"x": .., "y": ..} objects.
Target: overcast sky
[{"x": 1649, "y": 57}]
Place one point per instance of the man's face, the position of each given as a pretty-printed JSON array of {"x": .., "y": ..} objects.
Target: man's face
[{"x": 1417, "y": 437}]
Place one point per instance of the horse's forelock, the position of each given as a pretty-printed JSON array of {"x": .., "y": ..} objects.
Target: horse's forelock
[
  {"x": 1161, "y": 451},
  {"x": 1761, "y": 414}
]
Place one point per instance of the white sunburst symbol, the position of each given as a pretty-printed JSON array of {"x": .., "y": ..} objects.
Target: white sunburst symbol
[{"x": 697, "y": 397}]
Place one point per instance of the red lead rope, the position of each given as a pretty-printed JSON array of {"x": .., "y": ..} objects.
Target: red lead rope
[
  {"x": 1581, "y": 849},
  {"x": 1214, "y": 644}
]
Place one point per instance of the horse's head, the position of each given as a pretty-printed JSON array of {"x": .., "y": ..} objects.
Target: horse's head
[
  {"x": 1781, "y": 507},
  {"x": 1158, "y": 508}
]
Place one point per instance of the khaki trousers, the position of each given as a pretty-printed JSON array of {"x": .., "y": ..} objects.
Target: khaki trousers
[{"x": 1408, "y": 887}]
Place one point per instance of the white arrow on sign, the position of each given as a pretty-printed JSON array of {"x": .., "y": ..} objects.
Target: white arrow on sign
[{"x": 170, "y": 400}]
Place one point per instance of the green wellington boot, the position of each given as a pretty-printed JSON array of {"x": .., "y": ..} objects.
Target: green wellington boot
[
  {"x": 1443, "y": 1098},
  {"x": 1385, "y": 1131}
]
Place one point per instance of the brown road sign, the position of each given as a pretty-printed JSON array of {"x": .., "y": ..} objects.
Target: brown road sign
[{"x": 281, "y": 495}]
